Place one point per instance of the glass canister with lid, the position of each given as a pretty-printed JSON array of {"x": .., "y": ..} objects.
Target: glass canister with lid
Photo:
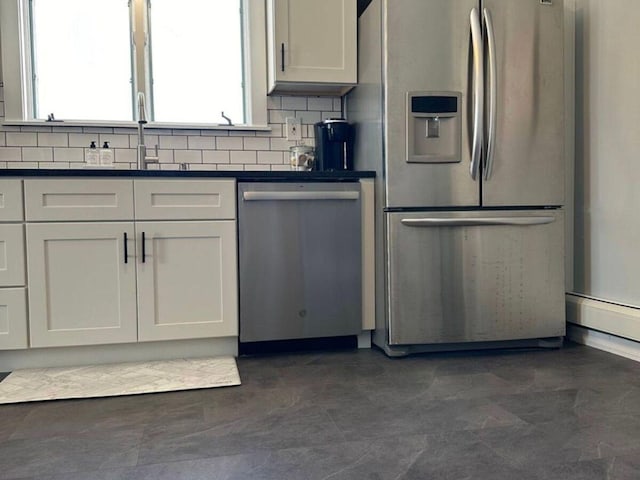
[{"x": 302, "y": 158}]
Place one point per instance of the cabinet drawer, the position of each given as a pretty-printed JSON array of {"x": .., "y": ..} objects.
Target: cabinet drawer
[
  {"x": 78, "y": 199},
  {"x": 13, "y": 318},
  {"x": 11, "y": 255},
  {"x": 11, "y": 201},
  {"x": 185, "y": 199}
]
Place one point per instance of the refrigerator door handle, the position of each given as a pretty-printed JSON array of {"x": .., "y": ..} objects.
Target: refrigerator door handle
[
  {"x": 476, "y": 222},
  {"x": 478, "y": 92},
  {"x": 493, "y": 93}
]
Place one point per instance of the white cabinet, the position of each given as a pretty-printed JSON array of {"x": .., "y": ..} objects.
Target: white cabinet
[
  {"x": 103, "y": 281},
  {"x": 187, "y": 280},
  {"x": 13, "y": 293},
  {"x": 312, "y": 46},
  {"x": 82, "y": 286}
]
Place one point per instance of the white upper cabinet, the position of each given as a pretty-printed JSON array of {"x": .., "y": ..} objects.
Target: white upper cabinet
[{"x": 312, "y": 46}]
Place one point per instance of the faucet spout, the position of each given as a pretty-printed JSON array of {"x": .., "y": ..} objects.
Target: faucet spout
[{"x": 143, "y": 159}]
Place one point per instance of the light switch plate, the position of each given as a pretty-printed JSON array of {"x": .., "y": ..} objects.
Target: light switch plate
[{"x": 294, "y": 129}]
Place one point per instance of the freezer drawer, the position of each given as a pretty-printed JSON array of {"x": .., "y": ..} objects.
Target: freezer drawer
[
  {"x": 475, "y": 276},
  {"x": 300, "y": 260}
]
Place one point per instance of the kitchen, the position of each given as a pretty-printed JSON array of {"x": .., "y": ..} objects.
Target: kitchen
[{"x": 376, "y": 435}]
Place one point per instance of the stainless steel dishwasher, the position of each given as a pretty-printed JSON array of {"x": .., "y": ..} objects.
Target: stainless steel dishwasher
[{"x": 300, "y": 260}]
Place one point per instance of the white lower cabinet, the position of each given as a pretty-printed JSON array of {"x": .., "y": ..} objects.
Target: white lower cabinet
[
  {"x": 158, "y": 266},
  {"x": 13, "y": 318},
  {"x": 187, "y": 280},
  {"x": 82, "y": 283}
]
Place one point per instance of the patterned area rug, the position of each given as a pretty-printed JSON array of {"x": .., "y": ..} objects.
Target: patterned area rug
[{"x": 32, "y": 385}]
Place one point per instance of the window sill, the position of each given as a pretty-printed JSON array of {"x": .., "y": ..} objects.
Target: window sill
[{"x": 132, "y": 124}]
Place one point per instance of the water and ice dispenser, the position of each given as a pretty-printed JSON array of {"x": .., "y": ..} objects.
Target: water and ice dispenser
[{"x": 434, "y": 127}]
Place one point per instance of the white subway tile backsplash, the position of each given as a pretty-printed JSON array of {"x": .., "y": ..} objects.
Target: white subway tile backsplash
[
  {"x": 201, "y": 143},
  {"x": 125, "y": 155},
  {"x": 59, "y": 146},
  {"x": 274, "y": 102},
  {"x": 203, "y": 166},
  {"x": 187, "y": 156},
  {"x": 271, "y": 157},
  {"x": 251, "y": 143},
  {"x": 149, "y": 140},
  {"x": 230, "y": 168},
  {"x": 55, "y": 165},
  {"x": 241, "y": 133},
  {"x": 229, "y": 143},
  {"x": 216, "y": 156},
  {"x": 63, "y": 154},
  {"x": 257, "y": 168},
  {"x": 243, "y": 157},
  {"x": 173, "y": 142},
  {"x": 284, "y": 167},
  {"x": 320, "y": 103},
  {"x": 53, "y": 139},
  {"x": 281, "y": 144},
  {"x": 280, "y": 116},
  {"x": 185, "y": 132},
  {"x": 308, "y": 117},
  {"x": 124, "y": 131},
  {"x": 294, "y": 103},
  {"x": 169, "y": 166},
  {"x": 82, "y": 139},
  {"x": 10, "y": 154},
  {"x": 20, "y": 139},
  {"x": 115, "y": 141},
  {"x": 37, "y": 154},
  {"x": 165, "y": 156},
  {"x": 15, "y": 165},
  {"x": 214, "y": 133}
]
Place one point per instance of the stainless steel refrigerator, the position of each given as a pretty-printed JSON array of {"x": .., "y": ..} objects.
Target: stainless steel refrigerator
[{"x": 460, "y": 110}]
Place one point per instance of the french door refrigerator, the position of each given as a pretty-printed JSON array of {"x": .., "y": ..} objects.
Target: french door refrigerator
[{"x": 460, "y": 110}]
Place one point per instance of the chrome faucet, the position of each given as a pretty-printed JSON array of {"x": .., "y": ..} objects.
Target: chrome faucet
[{"x": 143, "y": 159}]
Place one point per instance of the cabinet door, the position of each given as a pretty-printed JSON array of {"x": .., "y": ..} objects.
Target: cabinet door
[
  {"x": 314, "y": 41},
  {"x": 11, "y": 255},
  {"x": 82, "y": 287},
  {"x": 11, "y": 200},
  {"x": 13, "y": 318},
  {"x": 187, "y": 280}
]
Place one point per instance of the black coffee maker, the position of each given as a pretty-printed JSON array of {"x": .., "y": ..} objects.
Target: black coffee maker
[{"x": 334, "y": 144}]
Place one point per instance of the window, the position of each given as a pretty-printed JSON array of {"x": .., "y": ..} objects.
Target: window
[{"x": 87, "y": 61}]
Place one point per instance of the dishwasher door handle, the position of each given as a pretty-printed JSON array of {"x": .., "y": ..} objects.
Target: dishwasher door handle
[{"x": 285, "y": 196}]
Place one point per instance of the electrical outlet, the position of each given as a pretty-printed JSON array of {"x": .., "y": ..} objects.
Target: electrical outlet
[{"x": 294, "y": 129}]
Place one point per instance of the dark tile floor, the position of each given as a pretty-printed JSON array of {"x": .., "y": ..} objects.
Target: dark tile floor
[{"x": 564, "y": 414}]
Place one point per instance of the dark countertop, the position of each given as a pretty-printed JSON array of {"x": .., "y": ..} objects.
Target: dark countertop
[{"x": 343, "y": 176}]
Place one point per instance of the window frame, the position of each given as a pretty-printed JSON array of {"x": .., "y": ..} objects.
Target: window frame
[{"x": 15, "y": 39}]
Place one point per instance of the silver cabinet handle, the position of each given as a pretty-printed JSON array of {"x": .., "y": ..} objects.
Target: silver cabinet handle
[
  {"x": 476, "y": 222},
  {"x": 478, "y": 92},
  {"x": 284, "y": 196},
  {"x": 493, "y": 93}
]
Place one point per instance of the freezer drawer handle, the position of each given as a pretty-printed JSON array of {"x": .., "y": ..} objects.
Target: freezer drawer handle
[
  {"x": 264, "y": 196},
  {"x": 475, "y": 222}
]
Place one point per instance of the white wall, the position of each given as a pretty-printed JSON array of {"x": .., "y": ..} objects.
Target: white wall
[{"x": 607, "y": 186}]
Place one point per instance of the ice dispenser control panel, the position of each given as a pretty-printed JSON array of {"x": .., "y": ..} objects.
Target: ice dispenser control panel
[{"x": 434, "y": 127}]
